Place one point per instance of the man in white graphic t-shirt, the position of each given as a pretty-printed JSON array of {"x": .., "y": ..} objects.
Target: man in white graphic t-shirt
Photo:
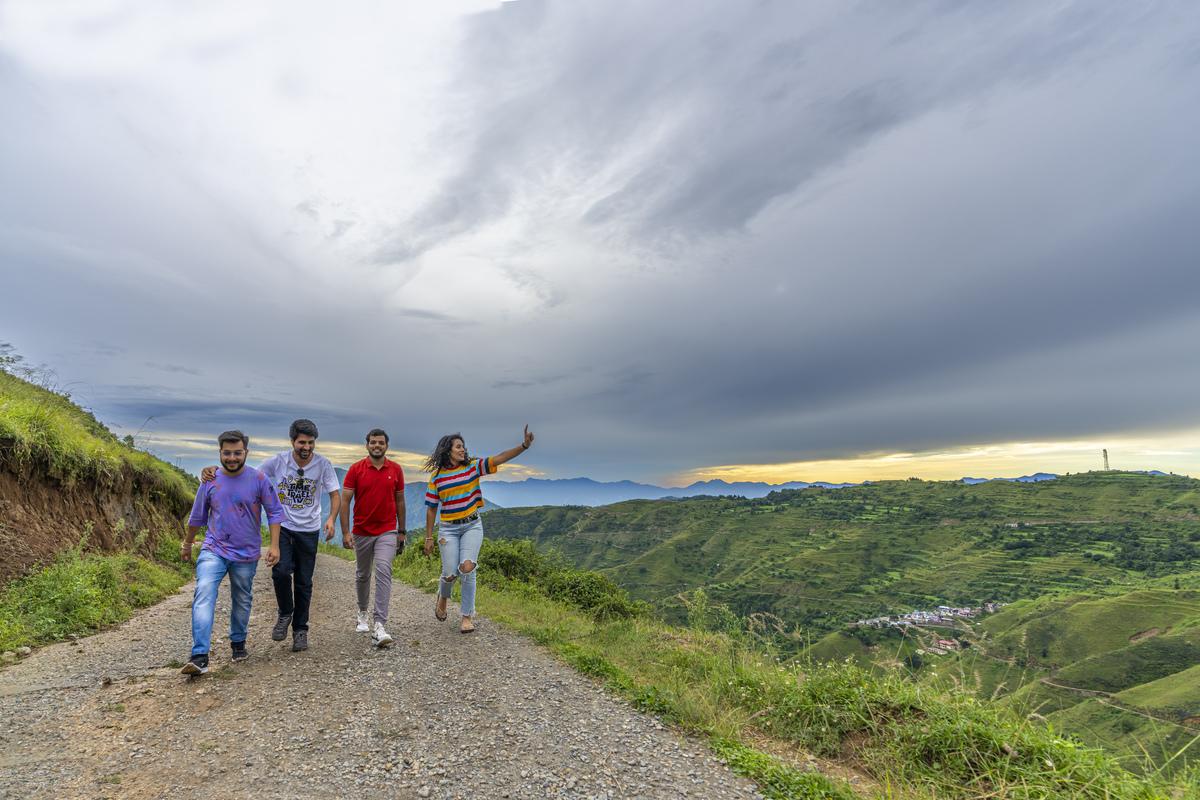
[{"x": 299, "y": 476}]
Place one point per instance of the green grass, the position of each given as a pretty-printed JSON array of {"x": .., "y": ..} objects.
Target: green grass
[
  {"x": 913, "y": 740},
  {"x": 1177, "y": 695},
  {"x": 776, "y": 779},
  {"x": 822, "y": 558},
  {"x": 80, "y": 594},
  {"x": 1127, "y": 667},
  {"x": 1058, "y": 631},
  {"x": 46, "y": 436},
  {"x": 1089, "y": 563},
  {"x": 1133, "y": 740},
  {"x": 42, "y": 429}
]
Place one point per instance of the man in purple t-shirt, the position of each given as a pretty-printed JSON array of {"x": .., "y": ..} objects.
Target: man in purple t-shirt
[{"x": 231, "y": 506}]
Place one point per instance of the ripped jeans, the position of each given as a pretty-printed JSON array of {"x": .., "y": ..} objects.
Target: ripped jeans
[{"x": 460, "y": 543}]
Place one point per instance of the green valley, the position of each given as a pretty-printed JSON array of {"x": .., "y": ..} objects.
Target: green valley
[
  {"x": 822, "y": 558},
  {"x": 1099, "y": 574}
]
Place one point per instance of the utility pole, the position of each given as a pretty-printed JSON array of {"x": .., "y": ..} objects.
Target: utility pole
[{"x": 1105, "y": 451}]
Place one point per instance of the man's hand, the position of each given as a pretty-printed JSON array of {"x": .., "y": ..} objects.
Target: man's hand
[
  {"x": 329, "y": 529},
  {"x": 401, "y": 541},
  {"x": 528, "y": 438},
  {"x": 185, "y": 552},
  {"x": 208, "y": 474},
  {"x": 272, "y": 556},
  {"x": 348, "y": 541}
]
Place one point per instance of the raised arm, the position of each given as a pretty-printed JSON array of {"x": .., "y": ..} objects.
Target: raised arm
[{"x": 509, "y": 455}]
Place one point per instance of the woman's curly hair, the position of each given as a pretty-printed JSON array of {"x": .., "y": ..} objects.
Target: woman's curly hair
[{"x": 439, "y": 459}]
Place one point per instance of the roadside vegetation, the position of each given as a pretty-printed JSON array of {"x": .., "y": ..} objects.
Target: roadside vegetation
[
  {"x": 45, "y": 437},
  {"x": 766, "y": 712},
  {"x": 44, "y": 430},
  {"x": 81, "y": 593},
  {"x": 1101, "y": 572}
]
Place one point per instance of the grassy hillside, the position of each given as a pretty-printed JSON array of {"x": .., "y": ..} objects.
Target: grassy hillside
[
  {"x": 1116, "y": 671},
  {"x": 68, "y": 492},
  {"x": 820, "y": 558},
  {"x": 1055, "y": 632},
  {"x": 773, "y": 717},
  {"x": 44, "y": 429},
  {"x": 1101, "y": 572}
]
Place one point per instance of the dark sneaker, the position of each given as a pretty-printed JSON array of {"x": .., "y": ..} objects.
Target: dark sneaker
[
  {"x": 196, "y": 665},
  {"x": 279, "y": 632},
  {"x": 299, "y": 641},
  {"x": 239, "y": 651}
]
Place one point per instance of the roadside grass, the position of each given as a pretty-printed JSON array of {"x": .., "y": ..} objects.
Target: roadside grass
[
  {"x": 912, "y": 740},
  {"x": 41, "y": 427},
  {"x": 81, "y": 593}
]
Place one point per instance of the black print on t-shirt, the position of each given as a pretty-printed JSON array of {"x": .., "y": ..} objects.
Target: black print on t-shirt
[{"x": 298, "y": 492}]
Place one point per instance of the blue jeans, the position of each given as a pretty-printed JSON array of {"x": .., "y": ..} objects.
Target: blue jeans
[
  {"x": 459, "y": 543},
  {"x": 210, "y": 568}
]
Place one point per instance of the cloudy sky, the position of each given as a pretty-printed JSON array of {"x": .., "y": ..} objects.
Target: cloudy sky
[{"x": 820, "y": 240}]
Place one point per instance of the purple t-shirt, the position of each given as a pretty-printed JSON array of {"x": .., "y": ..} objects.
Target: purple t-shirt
[{"x": 232, "y": 507}]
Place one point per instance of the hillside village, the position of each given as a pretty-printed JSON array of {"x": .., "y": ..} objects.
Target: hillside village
[
  {"x": 953, "y": 617},
  {"x": 945, "y": 616}
]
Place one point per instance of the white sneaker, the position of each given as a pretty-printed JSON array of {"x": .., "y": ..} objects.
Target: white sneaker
[
  {"x": 364, "y": 622},
  {"x": 381, "y": 637}
]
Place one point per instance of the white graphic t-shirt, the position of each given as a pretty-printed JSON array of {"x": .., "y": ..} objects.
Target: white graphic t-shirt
[{"x": 299, "y": 488}]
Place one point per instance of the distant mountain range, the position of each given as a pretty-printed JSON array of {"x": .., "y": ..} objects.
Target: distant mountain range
[
  {"x": 1045, "y": 476},
  {"x": 587, "y": 492},
  {"x": 1034, "y": 478}
]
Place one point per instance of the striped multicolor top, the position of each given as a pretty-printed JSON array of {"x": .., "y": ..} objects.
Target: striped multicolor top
[{"x": 457, "y": 490}]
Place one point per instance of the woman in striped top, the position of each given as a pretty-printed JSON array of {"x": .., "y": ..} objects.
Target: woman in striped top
[{"x": 454, "y": 490}]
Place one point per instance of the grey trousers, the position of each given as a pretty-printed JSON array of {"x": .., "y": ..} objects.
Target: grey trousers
[{"x": 381, "y": 549}]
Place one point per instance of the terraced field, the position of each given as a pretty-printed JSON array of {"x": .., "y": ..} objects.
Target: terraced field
[
  {"x": 1101, "y": 570},
  {"x": 820, "y": 558}
]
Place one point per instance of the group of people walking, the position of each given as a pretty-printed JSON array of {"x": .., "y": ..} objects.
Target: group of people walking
[{"x": 369, "y": 503}]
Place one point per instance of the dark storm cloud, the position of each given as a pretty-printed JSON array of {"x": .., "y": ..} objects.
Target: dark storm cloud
[
  {"x": 738, "y": 233},
  {"x": 734, "y": 105},
  {"x": 1070, "y": 224}
]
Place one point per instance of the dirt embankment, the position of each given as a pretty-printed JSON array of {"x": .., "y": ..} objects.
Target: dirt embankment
[{"x": 41, "y": 516}]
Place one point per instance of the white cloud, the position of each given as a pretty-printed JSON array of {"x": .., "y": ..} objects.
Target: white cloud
[{"x": 760, "y": 233}]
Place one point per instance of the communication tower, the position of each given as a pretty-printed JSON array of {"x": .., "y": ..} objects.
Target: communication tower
[{"x": 1105, "y": 451}]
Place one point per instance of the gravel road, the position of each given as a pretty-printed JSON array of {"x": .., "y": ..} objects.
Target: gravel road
[{"x": 440, "y": 715}]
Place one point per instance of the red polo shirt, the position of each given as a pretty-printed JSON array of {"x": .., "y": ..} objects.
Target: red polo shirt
[{"x": 374, "y": 496}]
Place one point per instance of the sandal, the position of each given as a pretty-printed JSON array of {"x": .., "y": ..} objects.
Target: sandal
[
  {"x": 439, "y": 608},
  {"x": 467, "y": 625}
]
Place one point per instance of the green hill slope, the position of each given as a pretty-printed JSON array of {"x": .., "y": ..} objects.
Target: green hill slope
[
  {"x": 68, "y": 444},
  {"x": 89, "y": 525},
  {"x": 1089, "y": 563},
  {"x": 821, "y": 558}
]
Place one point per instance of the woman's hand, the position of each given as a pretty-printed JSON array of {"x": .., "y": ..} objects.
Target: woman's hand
[
  {"x": 528, "y": 438},
  {"x": 428, "y": 545}
]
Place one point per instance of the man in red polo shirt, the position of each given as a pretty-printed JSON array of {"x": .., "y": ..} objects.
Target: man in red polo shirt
[{"x": 377, "y": 487}]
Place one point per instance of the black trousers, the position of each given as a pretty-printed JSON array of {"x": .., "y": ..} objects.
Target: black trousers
[{"x": 293, "y": 575}]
